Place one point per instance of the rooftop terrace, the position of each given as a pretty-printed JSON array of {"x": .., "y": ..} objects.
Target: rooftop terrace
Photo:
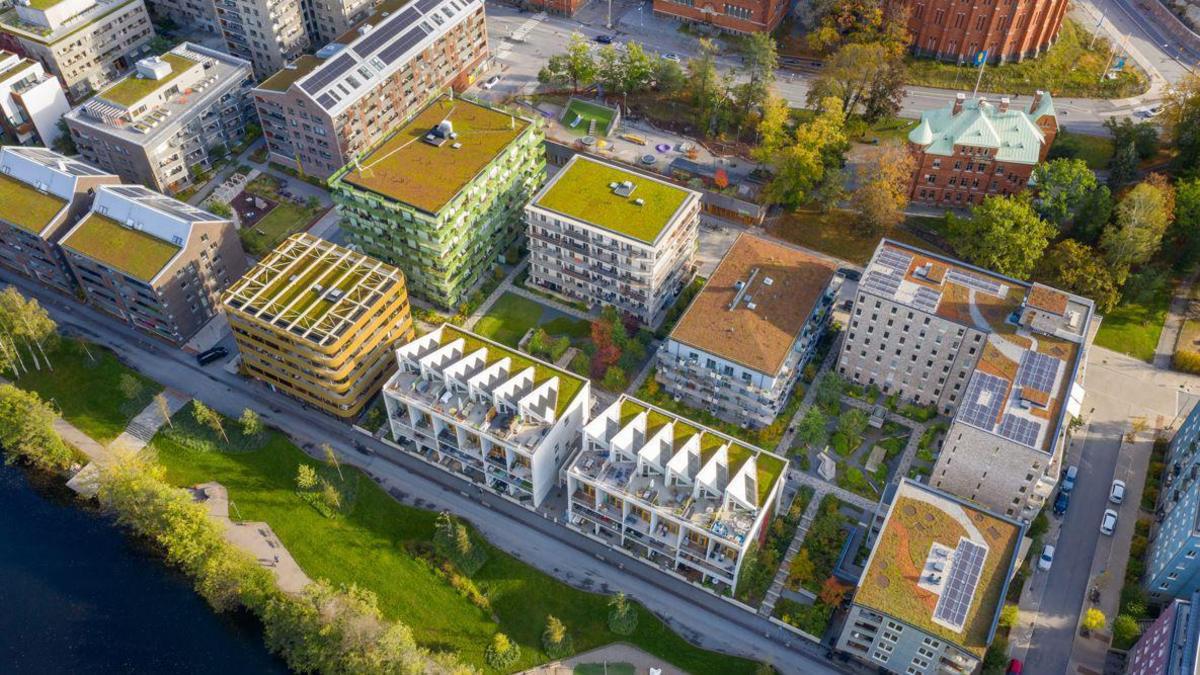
[
  {"x": 410, "y": 168},
  {"x": 133, "y": 88},
  {"x": 595, "y": 192},
  {"x": 930, "y": 548},
  {"x": 756, "y": 304},
  {"x": 139, "y": 254},
  {"x": 26, "y": 207}
]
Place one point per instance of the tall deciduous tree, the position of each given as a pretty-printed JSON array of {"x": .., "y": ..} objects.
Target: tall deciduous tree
[
  {"x": 24, "y": 326},
  {"x": 759, "y": 62},
  {"x": 883, "y": 188},
  {"x": 706, "y": 87},
  {"x": 1181, "y": 118},
  {"x": 27, "y": 430},
  {"x": 1184, "y": 234},
  {"x": 813, "y": 427},
  {"x": 816, "y": 149},
  {"x": 251, "y": 423},
  {"x": 1080, "y": 269},
  {"x": 1003, "y": 234},
  {"x": 1137, "y": 230},
  {"x": 1063, "y": 186},
  {"x": 206, "y": 416},
  {"x": 866, "y": 77},
  {"x": 576, "y": 66}
]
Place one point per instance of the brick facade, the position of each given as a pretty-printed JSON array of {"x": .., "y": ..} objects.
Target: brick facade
[
  {"x": 1010, "y": 30},
  {"x": 560, "y": 7},
  {"x": 742, "y": 16}
]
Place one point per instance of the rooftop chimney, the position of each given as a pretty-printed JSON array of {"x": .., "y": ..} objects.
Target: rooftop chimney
[
  {"x": 1003, "y": 105},
  {"x": 1037, "y": 101},
  {"x": 959, "y": 100}
]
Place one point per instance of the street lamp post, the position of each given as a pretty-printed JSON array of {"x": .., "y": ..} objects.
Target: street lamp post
[{"x": 608, "y": 25}]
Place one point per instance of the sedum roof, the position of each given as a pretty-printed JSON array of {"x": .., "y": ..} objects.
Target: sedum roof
[
  {"x": 129, "y": 251},
  {"x": 583, "y": 190},
  {"x": 1012, "y": 134},
  {"x": 26, "y": 207},
  {"x": 131, "y": 88},
  {"x": 288, "y": 75},
  {"x": 407, "y": 169}
]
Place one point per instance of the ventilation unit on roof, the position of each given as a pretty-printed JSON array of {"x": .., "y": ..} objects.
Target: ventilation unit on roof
[
  {"x": 290, "y": 66},
  {"x": 365, "y": 28},
  {"x": 751, "y": 306},
  {"x": 739, "y": 285},
  {"x": 456, "y": 146},
  {"x": 639, "y": 201},
  {"x": 318, "y": 288},
  {"x": 767, "y": 281},
  {"x": 335, "y": 294}
]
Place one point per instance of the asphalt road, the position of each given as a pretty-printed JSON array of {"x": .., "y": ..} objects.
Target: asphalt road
[{"x": 698, "y": 616}]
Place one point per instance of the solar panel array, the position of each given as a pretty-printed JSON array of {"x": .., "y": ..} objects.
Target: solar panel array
[
  {"x": 984, "y": 399},
  {"x": 406, "y": 42},
  {"x": 1038, "y": 371},
  {"x": 897, "y": 260},
  {"x": 959, "y": 587},
  {"x": 886, "y": 272},
  {"x": 327, "y": 73},
  {"x": 974, "y": 281},
  {"x": 926, "y": 299},
  {"x": 386, "y": 30},
  {"x": 1020, "y": 429},
  {"x": 53, "y": 159}
]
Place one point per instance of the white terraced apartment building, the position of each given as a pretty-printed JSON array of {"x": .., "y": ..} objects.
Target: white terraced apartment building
[
  {"x": 1005, "y": 357},
  {"x": 322, "y": 110},
  {"x": 604, "y": 235},
  {"x": 492, "y": 415},
  {"x": 85, "y": 43},
  {"x": 32, "y": 101},
  {"x": 673, "y": 492},
  {"x": 162, "y": 121}
]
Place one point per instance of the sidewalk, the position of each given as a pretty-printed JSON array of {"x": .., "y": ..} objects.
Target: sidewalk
[
  {"x": 610, "y": 655},
  {"x": 1176, "y": 314},
  {"x": 135, "y": 437}
]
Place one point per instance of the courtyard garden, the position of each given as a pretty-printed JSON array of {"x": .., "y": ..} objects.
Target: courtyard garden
[
  {"x": 280, "y": 215},
  {"x": 812, "y": 591},
  {"x": 761, "y": 565}
]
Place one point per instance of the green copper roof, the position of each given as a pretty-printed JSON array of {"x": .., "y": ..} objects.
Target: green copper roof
[{"x": 1012, "y": 134}]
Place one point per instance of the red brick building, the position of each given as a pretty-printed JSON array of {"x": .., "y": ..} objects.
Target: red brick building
[
  {"x": 974, "y": 149},
  {"x": 561, "y": 7},
  {"x": 957, "y": 30},
  {"x": 741, "y": 16}
]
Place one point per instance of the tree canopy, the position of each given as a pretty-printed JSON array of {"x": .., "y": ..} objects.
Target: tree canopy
[
  {"x": 1003, "y": 234},
  {"x": 1063, "y": 186}
]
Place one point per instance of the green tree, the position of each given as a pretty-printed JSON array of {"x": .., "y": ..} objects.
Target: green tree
[
  {"x": 1143, "y": 135},
  {"x": 812, "y": 429},
  {"x": 637, "y": 71},
  {"x": 773, "y": 131},
  {"x": 817, "y": 148},
  {"x": 1003, "y": 234},
  {"x": 251, "y": 423},
  {"x": 830, "y": 391},
  {"x": 865, "y": 77},
  {"x": 622, "y": 615},
  {"x": 1080, "y": 269},
  {"x": 330, "y": 496},
  {"x": 1063, "y": 186},
  {"x": 883, "y": 188},
  {"x": 1094, "y": 619},
  {"x": 131, "y": 387},
  {"x": 853, "y": 424},
  {"x": 219, "y": 208},
  {"x": 1183, "y": 236},
  {"x": 23, "y": 324},
  {"x": 576, "y": 66},
  {"x": 1123, "y": 167},
  {"x": 759, "y": 63},
  {"x": 331, "y": 459},
  {"x": 306, "y": 477},
  {"x": 502, "y": 653},
  {"x": 1008, "y": 615},
  {"x": 1125, "y": 630},
  {"x": 615, "y": 379},
  {"x": 64, "y": 143},
  {"x": 556, "y": 641},
  {"x": 1093, "y": 214},
  {"x": 207, "y": 417},
  {"x": 669, "y": 77},
  {"x": 1137, "y": 231},
  {"x": 1181, "y": 119},
  {"x": 706, "y": 88},
  {"x": 27, "y": 430},
  {"x": 803, "y": 569}
]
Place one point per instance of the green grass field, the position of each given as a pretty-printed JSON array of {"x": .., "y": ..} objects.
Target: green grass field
[
  {"x": 836, "y": 233},
  {"x": 1069, "y": 68},
  {"x": 587, "y": 112},
  {"x": 513, "y": 315},
  {"x": 85, "y": 389},
  {"x": 1095, "y": 150},
  {"x": 283, "y": 220},
  {"x": 371, "y": 547},
  {"x": 1134, "y": 328}
]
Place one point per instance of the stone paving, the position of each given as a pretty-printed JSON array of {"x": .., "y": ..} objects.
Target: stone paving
[{"x": 618, "y": 652}]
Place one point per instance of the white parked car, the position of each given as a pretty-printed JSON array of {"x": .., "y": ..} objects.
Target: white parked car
[
  {"x": 1109, "y": 522},
  {"x": 1047, "y": 558},
  {"x": 1116, "y": 494},
  {"x": 671, "y": 56},
  {"x": 491, "y": 82}
]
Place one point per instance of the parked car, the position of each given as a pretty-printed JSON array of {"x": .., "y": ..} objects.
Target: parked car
[
  {"x": 847, "y": 273},
  {"x": 1116, "y": 494},
  {"x": 208, "y": 356},
  {"x": 491, "y": 82},
  {"x": 1014, "y": 667},
  {"x": 1061, "y": 502},
  {"x": 1068, "y": 481},
  {"x": 1047, "y": 558},
  {"x": 604, "y": 39},
  {"x": 671, "y": 56},
  {"x": 1109, "y": 522}
]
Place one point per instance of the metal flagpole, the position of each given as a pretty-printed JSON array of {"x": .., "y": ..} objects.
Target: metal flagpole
[{"x": 981, "y": 60}]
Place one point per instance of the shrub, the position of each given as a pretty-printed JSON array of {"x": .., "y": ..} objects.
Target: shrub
[
  {"x": 812, "y": 619},
  {"x": 622, "y": 616},
  {"x": 1125, "y": 631},
  {"x": 556, "y": 641},
  {"x": 502, "y": 653},
  {"x": 1008, "y": 615},
  {"x": 453, "y": 541},
  {"x": 1094, "y": 619},
  {"x": 1186, "y": 361}
]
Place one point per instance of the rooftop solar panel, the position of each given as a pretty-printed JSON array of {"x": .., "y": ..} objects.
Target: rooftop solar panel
[
  {"x": 327, "y": 73},
  {"x": 926, "y": 299},
  {"x": 894, "y": 259},
  {"x": 983, "y": 401},
  {"x": 426, "y": 5},
  {"x": 1020, "y": 429},
  {"x": 973, "y": 281},
  {"x": 1038, "y": 371},
  {"x": 959, "y": 588},
  {"x": 406, "y": 42},
  {"x": 326, "y": 101},
  {"x": 385, "y": 32},
  {"x": 135, "y": 191}
]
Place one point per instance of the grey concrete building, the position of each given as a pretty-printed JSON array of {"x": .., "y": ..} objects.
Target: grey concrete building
[
  {"x": 1003, "y": 356},
  {"x": 604, "y": 235},
  {"x": 742, "y": 343},
  {"x": 85, "y": 43},
  {"x": 321, "y": 110},
  {"x": 930, "y": 596},
  {"x": 42, "y": 195},
  {"x": 190, "y": 14},
  {"x": 170, "y": 116},
  {"x": 267, "y": 33},
  {"x": 154, "y": 262}
]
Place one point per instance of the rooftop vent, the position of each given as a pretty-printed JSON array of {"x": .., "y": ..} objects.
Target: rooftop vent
[
  {"x": 624, "y": 189},
  {"x": 318, "y": 288},
  {"x": 639, "y": 201},
  {"x": 365, "y": 28},
  {"x": 456, "y": 146},
  {"x": 739, "y": 285},
  {"x": 335, "y": 294},
  {"x": 290, "y": 66},
  {"x": 153, "y": 68},
  {"x": 751, "y": 306},
  {"x": 924, "y": 270},
  {"x": 767, "y": 281}
]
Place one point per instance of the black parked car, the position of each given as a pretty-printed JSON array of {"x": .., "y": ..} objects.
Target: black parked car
[
  {"x": 215, "y": 354},
  {"x": 852, "y": 275},
  {"x": 1061, "y": 502},
  {"x": 603, "y": 39}
]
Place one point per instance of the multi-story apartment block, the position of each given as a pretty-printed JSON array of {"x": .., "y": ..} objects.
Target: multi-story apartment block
[
  {"x": 157, "y": 263},
  {"x": 326, "y": 20},
  {"x": 1171, "y": 645},
  {"x": 1007, "y": 31},
  {"x": 490, "y": 414},
  {"x": 267, "y": 33},
  {"x": 85, "y": 43},
  {"x": 971, "y": 150},
  {"x": 744, "y": 340},
  {"x": 320, "y": 111},
  {"x": 561, "y": 7},
  {"x": 676, "y": 493},
  {"x": 742, "y": 16},
  {"x": 318, "y": 322},
  {"x": 1004, "y": 356},
  {"x": 442, "y": 197},
  {"x": 42, "y": 195},
  {"x": 31, "y": 100},
  {"x": 160, "y": 122},
  {"x": 1173, "y": 561},
  {"x": 194, "y": 14},
  {"x": 606, "y": 235},
  {"x": 931, "y": 593}
]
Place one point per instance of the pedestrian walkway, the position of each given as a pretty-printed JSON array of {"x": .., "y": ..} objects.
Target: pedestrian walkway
[
  {"x": 610, "y": 655},
  {"x": 147, "y": 423},
  {"x": 785, "y": 567},
  {"x": 1176, "y": 314},
  {"x": 507, "y": 286},
  {"x": 914, "y": 439}
]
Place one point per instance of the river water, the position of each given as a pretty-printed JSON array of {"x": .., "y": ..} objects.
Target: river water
[{"x": 77, "y": 595}]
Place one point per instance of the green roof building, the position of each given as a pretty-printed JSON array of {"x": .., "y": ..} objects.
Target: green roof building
[
  {"x": 441, "y": 196},
  {"x": 607, "y": 235}
]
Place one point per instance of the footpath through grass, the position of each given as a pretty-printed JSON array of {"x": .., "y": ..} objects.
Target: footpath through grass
[
  {"x": 375, "y": 546},
  {"x": 1071, "y": 68},
  {"x": 87, "y": 389}
]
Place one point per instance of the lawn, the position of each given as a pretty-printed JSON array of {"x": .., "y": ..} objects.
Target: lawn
[
  {"x": 587, "y": 113},
  {"x": 1068, "y": 69},
  {"x": 86, "y": 389},
  {"x": 1134, "y": 328},
  {"x": 372, "y": 546},
  {"x": 285, "y": 219},
  {"x": 619, "y": 668},
  {"x": 837, "y": 234},
  {"x": 1095, "y": 150},
  {"x": 513, "y": 315}
]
